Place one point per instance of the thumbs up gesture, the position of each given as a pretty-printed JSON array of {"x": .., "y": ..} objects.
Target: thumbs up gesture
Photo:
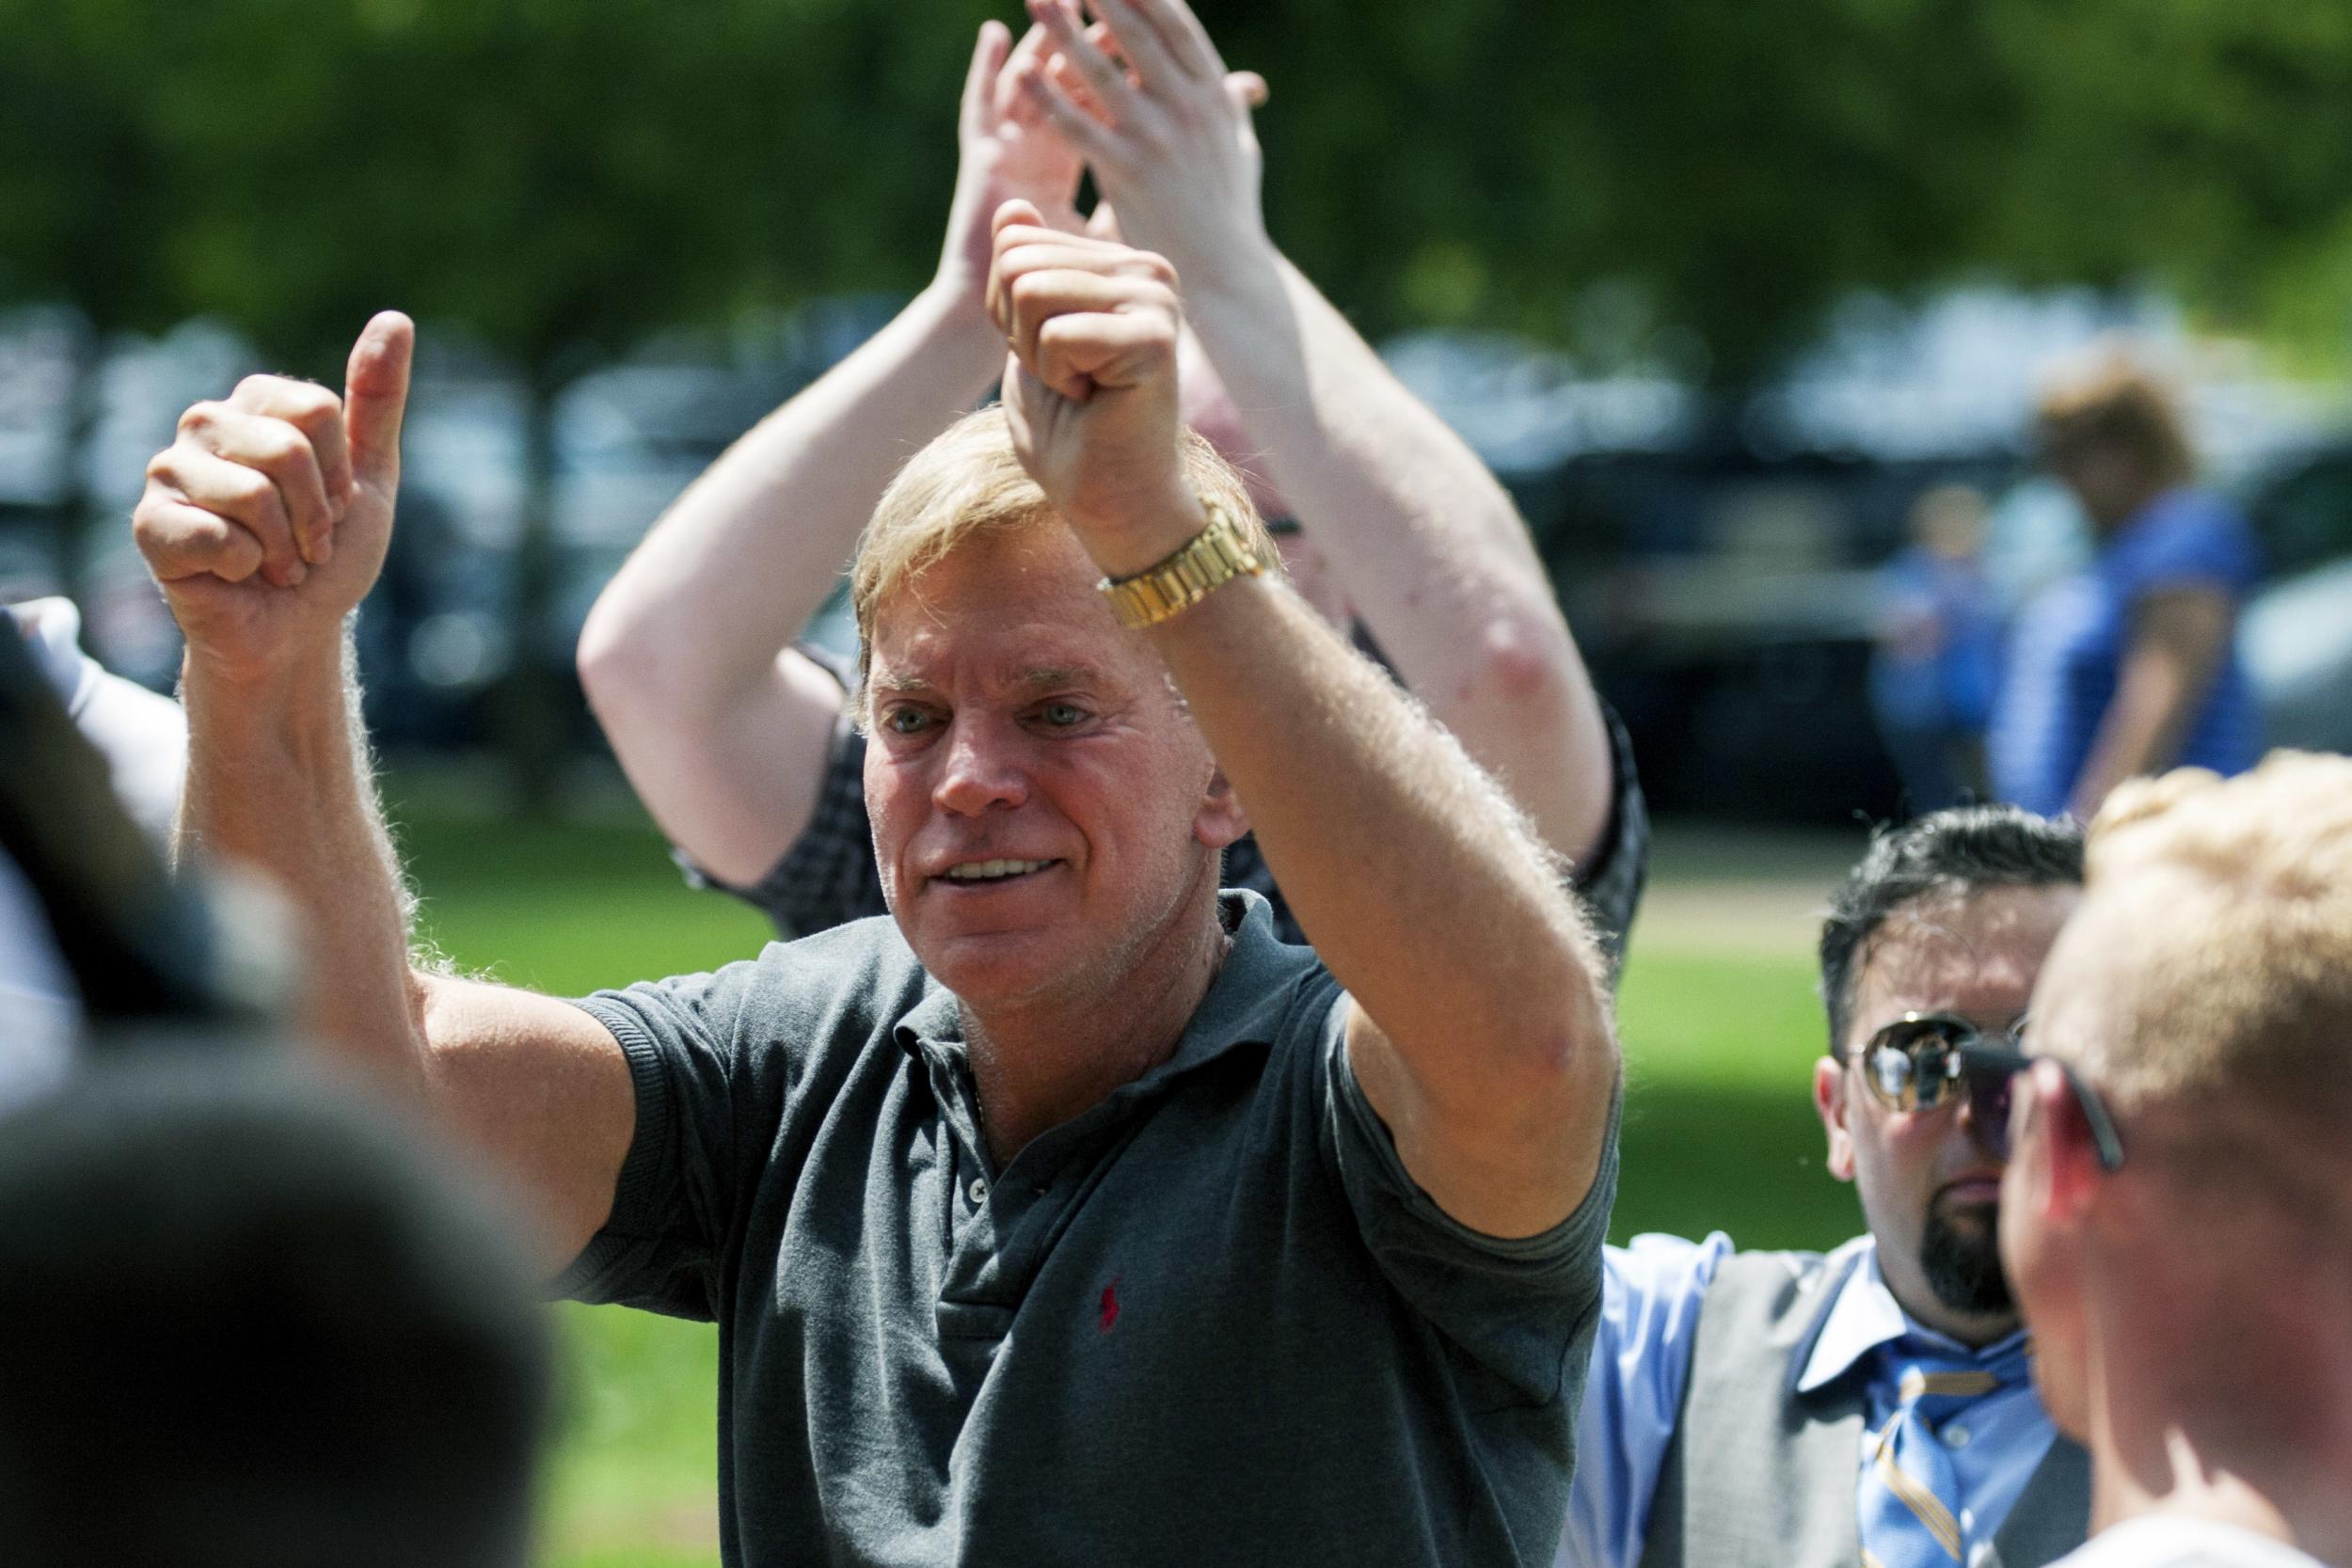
[{"x": 266, "y": 521}]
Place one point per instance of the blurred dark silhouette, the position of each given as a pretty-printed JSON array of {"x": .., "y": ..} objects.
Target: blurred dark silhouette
[
  {"x": 242, "y": 1322},
  {"x": 143, "y": 950},
  {"x": 244, "y": 1325}
]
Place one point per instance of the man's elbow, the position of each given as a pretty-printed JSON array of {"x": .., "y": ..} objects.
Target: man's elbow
[
  {"x": 1569, "y": 1045},
  {"x": 621, "y": 669}
]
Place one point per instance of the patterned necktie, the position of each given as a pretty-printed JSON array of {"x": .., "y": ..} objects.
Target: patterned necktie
[{"x": 1908, "y": 1499}]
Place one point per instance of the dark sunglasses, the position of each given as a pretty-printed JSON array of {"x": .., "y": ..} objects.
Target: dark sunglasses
[{"x": 1925, "y": 1060}]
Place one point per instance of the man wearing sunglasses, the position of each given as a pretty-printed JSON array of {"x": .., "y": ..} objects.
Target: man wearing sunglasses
[
  {"x": 2178, "y": 1212},
  {"x": 1789, "y": 1410}
]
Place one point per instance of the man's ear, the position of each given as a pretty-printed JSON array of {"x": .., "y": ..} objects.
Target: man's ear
[
  {"x": 1220, "y": 819},
  {"x": 1829, "y": 1101}
]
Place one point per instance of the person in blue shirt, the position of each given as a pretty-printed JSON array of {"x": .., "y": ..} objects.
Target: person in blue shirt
[
  {"x": 1871, "y": 1404},
  {"x": 2128, "y": 666},
  {"x": 1939, "y": 651}
]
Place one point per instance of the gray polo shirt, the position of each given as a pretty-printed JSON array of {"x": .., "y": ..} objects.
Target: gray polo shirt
[{"x": 1210, "y": 1321}]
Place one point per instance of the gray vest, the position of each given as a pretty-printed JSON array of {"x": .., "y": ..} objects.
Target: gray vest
[{"x": 1759, "y": 1474}]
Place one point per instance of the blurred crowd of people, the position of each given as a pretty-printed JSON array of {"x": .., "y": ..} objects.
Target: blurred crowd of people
[{"x": 1179, "y": 1120}]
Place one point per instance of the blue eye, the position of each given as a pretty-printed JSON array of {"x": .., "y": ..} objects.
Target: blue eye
[
  {"x": 906, "y": 721},
  {"x": 1062, "y": 716}
]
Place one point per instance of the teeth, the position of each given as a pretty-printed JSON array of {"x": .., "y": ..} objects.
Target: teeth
[{"x": 989, "y": 871}]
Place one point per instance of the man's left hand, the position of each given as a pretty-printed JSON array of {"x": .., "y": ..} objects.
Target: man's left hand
[{"x": 1090, "y": 387}]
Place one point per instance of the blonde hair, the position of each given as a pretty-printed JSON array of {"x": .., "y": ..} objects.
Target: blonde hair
[
  {"x": 2236, "y": 977},
  {"x": 969, "y": 482},
  {"x": 2109, "y": 399}
]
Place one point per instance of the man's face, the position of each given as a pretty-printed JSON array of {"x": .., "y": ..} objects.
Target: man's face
[
  {"x": 1045, "y": 815},
  {"x": 1930, "y": 1186}
]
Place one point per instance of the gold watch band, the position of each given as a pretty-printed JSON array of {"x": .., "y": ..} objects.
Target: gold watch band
[{"x": 1207, "y": 561}]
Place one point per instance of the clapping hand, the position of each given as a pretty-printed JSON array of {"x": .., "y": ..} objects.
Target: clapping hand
[
  {"x": 1165, "y": 128},
  {"x": 1006, "y": 151}
]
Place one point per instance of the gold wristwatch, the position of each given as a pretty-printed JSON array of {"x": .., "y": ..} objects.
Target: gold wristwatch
[{"x": 1208, "y": 560}]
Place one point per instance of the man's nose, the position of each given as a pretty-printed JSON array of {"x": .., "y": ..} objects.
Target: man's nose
[{"x": 982, "y": 769}]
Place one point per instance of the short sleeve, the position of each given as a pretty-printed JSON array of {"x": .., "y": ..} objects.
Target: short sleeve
[
  {"x": 706, "y": 1064},
  {"x": 2189, "y": 539},
  {"x": 1651, "y": 1293},
  {"x": 1523, "y": 1308}
]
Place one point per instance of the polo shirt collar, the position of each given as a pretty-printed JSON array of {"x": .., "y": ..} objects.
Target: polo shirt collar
[{"x": 1244, "y": 1006}]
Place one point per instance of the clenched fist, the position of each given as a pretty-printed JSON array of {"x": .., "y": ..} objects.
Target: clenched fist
[
  {"x": 1090, "y": 387},
  {"x": 266, "y": 521}
]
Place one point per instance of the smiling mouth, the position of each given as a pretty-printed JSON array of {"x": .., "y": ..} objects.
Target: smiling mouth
[{"x": 987, "y": 873}]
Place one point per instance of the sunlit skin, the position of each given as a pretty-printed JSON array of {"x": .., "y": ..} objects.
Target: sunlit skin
[
  {"x": 1013, "y": 720},
  {"x": 1975, "y": 957},
  {"x": 2079, "y": 986}
]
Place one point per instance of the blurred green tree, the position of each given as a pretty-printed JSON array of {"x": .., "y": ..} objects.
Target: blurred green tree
[{"x": 553, "y": 171}]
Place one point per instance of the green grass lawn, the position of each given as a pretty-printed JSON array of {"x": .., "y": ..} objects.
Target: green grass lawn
[{"x": 1718, "y": 1131}]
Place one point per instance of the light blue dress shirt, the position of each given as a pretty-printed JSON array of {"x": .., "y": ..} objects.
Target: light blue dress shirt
[{"x": 1651, "y": 1294}]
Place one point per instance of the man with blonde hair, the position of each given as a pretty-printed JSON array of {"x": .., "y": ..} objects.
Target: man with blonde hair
[
  {"x": 744, "y": 744},
  {"x": 2177, "y": 1216},
  {"x": 1065, "y": 1214}
]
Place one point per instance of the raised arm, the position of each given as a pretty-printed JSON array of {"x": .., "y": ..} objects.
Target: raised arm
[
  {"x": 267, "y": 523},
  {"x": 687, "y": 656},
  {"x": 1423, "y": 539},
  {"x": 1479, "y": 1025}
]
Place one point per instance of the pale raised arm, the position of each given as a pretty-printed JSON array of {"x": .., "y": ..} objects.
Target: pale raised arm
[
  {"x": 687, "y": 656},
  {"x": 1425, "y": 542}
]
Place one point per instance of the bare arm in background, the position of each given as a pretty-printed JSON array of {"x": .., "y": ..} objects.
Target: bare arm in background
[
  {"x": 2177, "y": 641},
  {"x": 686, "y": 659},
  {"x": 1478, "y": 1021},
  {"x": 1425, "y": 540},
  {"x": 267, "y": 523}
]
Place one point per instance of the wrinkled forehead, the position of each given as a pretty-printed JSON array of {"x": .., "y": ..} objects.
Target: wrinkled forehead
[
  {"x": 1973, "y": 954},
  {"x": 1012, "y": 610}
]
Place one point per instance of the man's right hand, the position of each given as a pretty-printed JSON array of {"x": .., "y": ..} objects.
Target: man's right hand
[{"x": 266, "y": 521}]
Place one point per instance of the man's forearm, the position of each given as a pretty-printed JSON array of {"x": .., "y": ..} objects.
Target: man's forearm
[
  {"x": 1425, "y": 541},
  {"x": 749, "y": 550},
  {"x": 1417, "y": 882},
  {"x": 279, "y": 781}
]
